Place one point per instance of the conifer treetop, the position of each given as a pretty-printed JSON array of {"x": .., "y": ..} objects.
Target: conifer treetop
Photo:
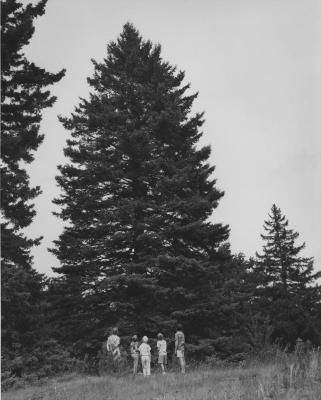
[{"x": 281, "y": 255}]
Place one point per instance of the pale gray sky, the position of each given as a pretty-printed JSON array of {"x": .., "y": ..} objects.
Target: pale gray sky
[{"x": 256, "y": 65}]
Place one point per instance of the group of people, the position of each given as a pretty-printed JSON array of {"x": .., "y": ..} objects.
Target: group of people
[{"x": 142, "y": 350}]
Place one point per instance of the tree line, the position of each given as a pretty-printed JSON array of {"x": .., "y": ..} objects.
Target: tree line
[{"x": 138, "y": 249}]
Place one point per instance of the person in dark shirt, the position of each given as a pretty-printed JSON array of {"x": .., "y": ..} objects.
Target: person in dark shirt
[
  {"x": 134, "y": 352},
  {"x": 180, "y": 347}
]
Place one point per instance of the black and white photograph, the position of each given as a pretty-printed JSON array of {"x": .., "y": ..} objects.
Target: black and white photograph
[{"x": 161, "y": 200}]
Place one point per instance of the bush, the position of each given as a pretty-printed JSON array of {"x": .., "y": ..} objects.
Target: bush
[{"x": 46, "y": 359}]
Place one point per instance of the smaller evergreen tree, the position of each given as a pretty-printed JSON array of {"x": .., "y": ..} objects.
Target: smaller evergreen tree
[{"x": 286, "y": 284}]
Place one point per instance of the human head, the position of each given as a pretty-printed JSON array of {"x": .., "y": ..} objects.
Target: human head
[
  {"x": 179, "y": 327},
  {"x": 135, "y": 338},
  {"x": 115, "y": 331},
  {"x": 160, "y": 336},
  {"x": 145, "y": 339}
]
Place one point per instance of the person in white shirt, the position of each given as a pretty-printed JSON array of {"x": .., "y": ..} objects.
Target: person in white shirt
[
  {"x": 144, "y": 350},
  {"x": 162, "y": 351},
  {"x": 112, "y": 345}
]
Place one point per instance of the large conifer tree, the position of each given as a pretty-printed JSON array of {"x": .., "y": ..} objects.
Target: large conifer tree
[
  {"x": 287, "y": 287},
  {"x": 24, "y": 94},
  {"x": 139, "y": 249}
]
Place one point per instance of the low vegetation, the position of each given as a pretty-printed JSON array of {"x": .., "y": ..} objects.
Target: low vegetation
[{"x": 285, "y": 377}]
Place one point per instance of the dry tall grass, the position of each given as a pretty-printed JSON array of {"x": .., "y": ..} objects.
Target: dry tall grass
[{"x": 287, "y": 378}]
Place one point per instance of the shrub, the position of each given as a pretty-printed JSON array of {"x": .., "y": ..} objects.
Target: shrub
[{"x": 46, "y": 359}]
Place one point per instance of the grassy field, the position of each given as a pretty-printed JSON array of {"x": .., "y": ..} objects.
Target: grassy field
[{"x": 258, "y": 382}]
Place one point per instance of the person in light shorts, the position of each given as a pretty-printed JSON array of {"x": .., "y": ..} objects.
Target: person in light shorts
[
  {"x": 162, "y": 352},
  {"x": 144, "y": 350},
  {"x": 180, "y": 347}
]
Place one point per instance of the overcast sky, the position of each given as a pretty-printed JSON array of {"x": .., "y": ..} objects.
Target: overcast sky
[{"x": 256, "y": 65}]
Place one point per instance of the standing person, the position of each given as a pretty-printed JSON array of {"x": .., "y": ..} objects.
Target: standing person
[
  {"x": 145, "y": 355},
  {"x": 162, "y": 352},
  {"x": 134, "y": 352},
  {"x": 180, "y": 347},
  {"x": 113, "y": 342}
]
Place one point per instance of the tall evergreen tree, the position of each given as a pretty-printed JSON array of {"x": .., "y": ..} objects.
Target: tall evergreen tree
[
  {"x": 23, "y": 96},
  {"x": 287, "y": 286},
  {"x": 139, "y": 249}
]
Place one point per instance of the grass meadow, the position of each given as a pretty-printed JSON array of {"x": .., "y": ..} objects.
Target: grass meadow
[{"x": 283, "y": 379}]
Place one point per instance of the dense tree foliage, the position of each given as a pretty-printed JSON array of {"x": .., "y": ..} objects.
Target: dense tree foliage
[
  {"x": 286, "y": 285},
  {"x": 24, "y": 95}
]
